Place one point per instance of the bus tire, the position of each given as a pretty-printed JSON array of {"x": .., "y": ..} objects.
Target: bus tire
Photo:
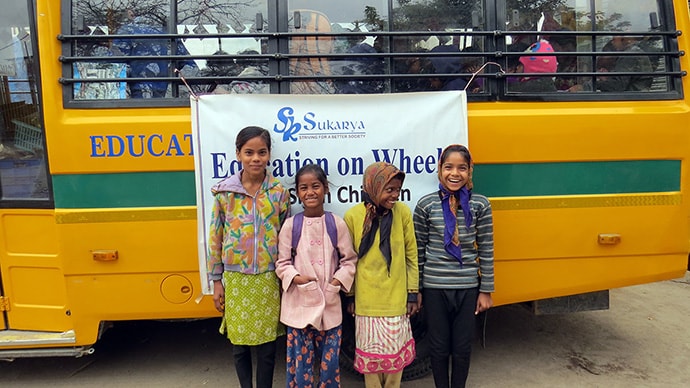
[{"x": 420, "y": 367}]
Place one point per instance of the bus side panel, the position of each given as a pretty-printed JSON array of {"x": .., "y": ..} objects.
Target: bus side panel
[
  {"x": 32, "y": 271},
  {"x": 117, "y": 270},
  {"x": 555, "y": 131},
  {"x": 547, "y": 227},
  {"x": 556, "y": 252},
  {"x": 141, "y": 246},
  {"x": 530, "y": 280},
  {"x": 574, "y": 233}
]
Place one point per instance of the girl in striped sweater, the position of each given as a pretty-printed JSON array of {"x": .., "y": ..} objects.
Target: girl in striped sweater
[{"x": 454, "y": 230}]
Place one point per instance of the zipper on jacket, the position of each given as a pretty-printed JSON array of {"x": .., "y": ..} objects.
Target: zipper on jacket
[{"x": 256, "y": 234}]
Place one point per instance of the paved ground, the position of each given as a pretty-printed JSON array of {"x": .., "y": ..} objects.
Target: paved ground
[{"x": 643, "y": 340}]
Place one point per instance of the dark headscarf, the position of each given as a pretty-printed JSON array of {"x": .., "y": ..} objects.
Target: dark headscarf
[
  {"x": 376, "y": 177},
  {"x": 449, "y": 202}
]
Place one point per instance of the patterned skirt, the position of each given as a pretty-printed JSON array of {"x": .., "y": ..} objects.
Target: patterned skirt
[
  {"x": 383, "y": 344},
  {"x": 252, "y": 308}
]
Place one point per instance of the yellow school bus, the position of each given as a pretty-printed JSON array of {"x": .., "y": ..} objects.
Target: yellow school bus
[{"x": 577, "y": 113}]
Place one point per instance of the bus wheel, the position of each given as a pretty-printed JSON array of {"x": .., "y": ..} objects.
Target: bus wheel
[{"x": 419, "y": 368}]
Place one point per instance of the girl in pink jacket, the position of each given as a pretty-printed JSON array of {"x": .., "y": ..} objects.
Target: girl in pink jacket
[{"x": 312, "y": 275}]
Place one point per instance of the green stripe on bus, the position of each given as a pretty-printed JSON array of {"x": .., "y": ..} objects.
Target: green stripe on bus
[
  {"x": 139, "y": 189},
  {"x": 577, "y": 178},
  {"x": 156, "y": 189}
]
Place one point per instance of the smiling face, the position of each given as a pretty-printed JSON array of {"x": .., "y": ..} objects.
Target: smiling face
[
  {"x": 311, "y": 192},
  {"x": 455, "y": 171},
  {"x": 390, "y": 193},
  {"x": 254, "y": 156}
]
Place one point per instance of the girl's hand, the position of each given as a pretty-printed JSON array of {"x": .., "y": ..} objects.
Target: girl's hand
[
  {"x": 484, "y": 302},
  {"x": 412, "y": 308},
  {"x": 299, "y": 279},
  {"x": 219, "y": 295},
  {"x": 336, "y": 282},
  {"x": 351, "y": 307}
]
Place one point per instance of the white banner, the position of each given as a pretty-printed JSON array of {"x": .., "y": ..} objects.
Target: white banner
[{"x": 341, "y": 133}]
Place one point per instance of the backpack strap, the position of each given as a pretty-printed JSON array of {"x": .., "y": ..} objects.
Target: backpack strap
[
  {"x": 332, "y": 231},
  {"x": 296, "y": 233}
]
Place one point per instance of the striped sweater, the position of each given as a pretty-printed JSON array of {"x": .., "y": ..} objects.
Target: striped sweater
[{"x": 437, "y": 268}]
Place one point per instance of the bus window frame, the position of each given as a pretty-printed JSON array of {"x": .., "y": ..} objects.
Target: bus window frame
[
  {"x": 280, "y": 79},
  {"x": 47, "y": 202}
]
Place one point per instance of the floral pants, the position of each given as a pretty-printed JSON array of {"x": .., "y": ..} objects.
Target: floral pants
[{"x": 307, "y": 346}]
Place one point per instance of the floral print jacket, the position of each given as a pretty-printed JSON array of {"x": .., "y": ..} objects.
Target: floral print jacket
[{"x": 243, "y": 234}]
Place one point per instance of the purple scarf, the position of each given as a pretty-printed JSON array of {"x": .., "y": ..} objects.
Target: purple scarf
[{"x": 449, "y": 203}]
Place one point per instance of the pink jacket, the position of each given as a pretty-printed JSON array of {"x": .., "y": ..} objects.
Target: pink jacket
[{"x": 316, "y": 303}]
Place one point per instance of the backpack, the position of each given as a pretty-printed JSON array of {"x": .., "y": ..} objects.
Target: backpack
[{"x": 330, "y": 229}]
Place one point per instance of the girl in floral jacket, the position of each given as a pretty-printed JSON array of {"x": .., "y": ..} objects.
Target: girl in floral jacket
[{"x": 249, "y": 208}]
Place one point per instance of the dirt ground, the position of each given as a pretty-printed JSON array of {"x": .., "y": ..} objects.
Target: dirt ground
[{"x": 643, "y": 340}]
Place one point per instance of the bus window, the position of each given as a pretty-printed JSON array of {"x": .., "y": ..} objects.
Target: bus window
[
  {"x": 236, "y": 64},
  {"x": 445, "y": 60},
  {"x": 145, "y": 31},
  {"x": 138, "y": 30},
  {"x": 355, "y": 52},
  {"x": 586, "y": 62},
  {"x": 22, "y": 153},
  {"x": 362, "y": 48},
  {"x": 311, "y": 21},
  {"x": 92, "y": 68},
  {"x": 495, "y": 50}
]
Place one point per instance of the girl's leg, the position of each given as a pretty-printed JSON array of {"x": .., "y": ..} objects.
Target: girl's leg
[
  {"x": 327, "y": 345},
  {"x": 300, "y": 357},
  {"x": 243, "y": 364},
  {"x": 373, "y": 380},
  {"x": 438, "y": 329},
  {"x": 465, "y": 303},
  {"x": 392, "y": 380},
  {"x": 265, "y": 362}
]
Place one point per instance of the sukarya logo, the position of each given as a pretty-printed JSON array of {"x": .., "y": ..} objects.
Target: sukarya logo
[{"x": 293, "y": 126}]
